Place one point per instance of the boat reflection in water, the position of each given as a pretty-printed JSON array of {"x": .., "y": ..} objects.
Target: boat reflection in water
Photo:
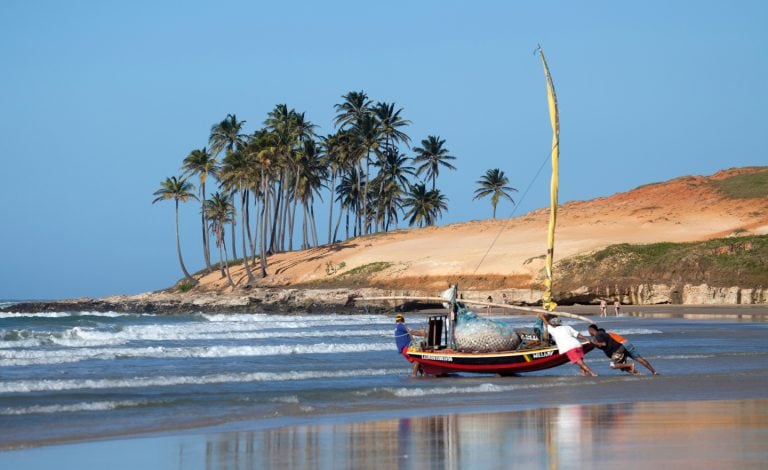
[{"x": 693, "y": 434}]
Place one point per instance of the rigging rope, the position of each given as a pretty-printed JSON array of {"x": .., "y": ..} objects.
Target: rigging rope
[{"x": 514, "y": 209}]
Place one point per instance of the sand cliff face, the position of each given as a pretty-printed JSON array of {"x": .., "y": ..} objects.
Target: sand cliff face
[{"x": 685, "y": 209}]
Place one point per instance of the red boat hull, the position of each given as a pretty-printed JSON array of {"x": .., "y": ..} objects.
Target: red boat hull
[{"x": 446, "y": 361}]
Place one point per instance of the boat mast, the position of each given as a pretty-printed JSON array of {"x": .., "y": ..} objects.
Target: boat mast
[{"x": 548, "y": 303}]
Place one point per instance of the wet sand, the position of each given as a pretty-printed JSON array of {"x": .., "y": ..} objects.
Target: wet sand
[{"x": 683, "y": 434}]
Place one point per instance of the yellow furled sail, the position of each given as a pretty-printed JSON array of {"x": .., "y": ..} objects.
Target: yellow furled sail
[{"x": 548, "y": 303}]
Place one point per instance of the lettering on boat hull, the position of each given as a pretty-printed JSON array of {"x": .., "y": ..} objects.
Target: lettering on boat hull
[
  {"x": 430, "y": 357},
  {"x": 539, "y": 355}
]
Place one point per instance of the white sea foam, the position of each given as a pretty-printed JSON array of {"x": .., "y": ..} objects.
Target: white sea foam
[
  {"x": 86, "y": 406},
  {"x": 635, "y": 331},
  {"x": 687, "y": 356},
  {"x": 63, "y": 314},
  {"x": 27, "y": 386},
  {"x": 79, "y": 336},
  {"x": 286, "y": 399},
  {"x": 270, "y": 318},
  {"x": 37, "y": 357},
  {"x": 264, "y": 321},
  {"x": 481, "y": 388},
  {"x": 183, "y": 333}
]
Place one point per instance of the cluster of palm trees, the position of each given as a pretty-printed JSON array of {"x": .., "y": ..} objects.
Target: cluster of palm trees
[{"x": 282, "y": 169}]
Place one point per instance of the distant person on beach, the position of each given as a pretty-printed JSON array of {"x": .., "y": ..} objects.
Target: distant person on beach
[
  {"x": 488, "y": 307},
  {"x": 504, "y": 298},
  {"x": 632, "y": 351},
  {"x": 616, "y": 307},
  {"x": 403, "y": 338},
  {"x": 613, "y": 349},
  {"x": 567, "y": 340},
  {"x": 603, "y": 308}
]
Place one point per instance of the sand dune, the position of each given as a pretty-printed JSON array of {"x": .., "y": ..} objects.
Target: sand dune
[{"x": 684, "y": 209}]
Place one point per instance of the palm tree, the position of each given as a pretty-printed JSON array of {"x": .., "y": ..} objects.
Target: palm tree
[
  {"x": 226, "y": 135},
  {"x": 424, "y": 206},
  {"x": 200, "y": 162},
  {"x": 236, "y": 175},
  {"x": 355, "y": 113},
  {"x": 494, "y": 184},
  {"x": 219, "y": 211},
  {"x": 432, "y": 155},
  {"x": 356, "y": 104},
  {"x": 310, "y": 173},
  {"x": 289, "y": 131},
  {"x": 369, "y": 132},
  {"x": 178, "y": 189},
  {"x": 391, "y": 122},
  {"x": 348, "y": 197},
  {"x": 391, "y": 181}
]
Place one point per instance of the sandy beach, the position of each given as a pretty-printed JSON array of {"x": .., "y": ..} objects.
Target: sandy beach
[{"x": 684, "y": 434}]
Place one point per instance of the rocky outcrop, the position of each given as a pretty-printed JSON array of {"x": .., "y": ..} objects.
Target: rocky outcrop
[
  {"x": 343, "y": 300},
  {"x": 687, "y": 294}
]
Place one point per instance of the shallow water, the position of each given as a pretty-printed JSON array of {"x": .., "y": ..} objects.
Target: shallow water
[{"x": 73, "y": 376}]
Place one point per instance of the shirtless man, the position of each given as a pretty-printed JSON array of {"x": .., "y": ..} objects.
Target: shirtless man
[{"x": 614, "y": 350}]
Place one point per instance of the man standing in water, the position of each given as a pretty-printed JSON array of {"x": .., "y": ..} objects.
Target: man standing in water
[
  {"x": 403, "y": 337},
  {"x": 567, "y": 340}
]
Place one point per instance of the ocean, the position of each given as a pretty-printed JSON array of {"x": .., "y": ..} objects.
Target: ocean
[{"x": 82, "y": 376}]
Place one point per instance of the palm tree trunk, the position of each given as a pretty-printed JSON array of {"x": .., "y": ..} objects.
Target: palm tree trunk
[
  {"x": 313, "y": 225},
  {"x": 338, "y": 222},
  {"x": 206, "y": 241},
  {"x": 347, "y": 224},
  {"x": 291, "y": 220},
  {"x": 365, "y": 193},
  {"x": 234, "y": 245},
  {"x": 243, "y": 204},
  {"x": 330, "y": 212},
  {"x": 256, "y": 227},
  {"x": 272, "y": 241},
  {"x": 224, "y": 264},
  {"x": 178, "y": 248},
  {"x": 265, "y": 221},
  {"x": 358, "y": 222},
  {"x": 247, "y": 217},
  {"x": 304, "y": 237}
]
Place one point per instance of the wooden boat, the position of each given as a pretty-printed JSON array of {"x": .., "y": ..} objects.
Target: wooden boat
[{"x": 438, "y": 355}]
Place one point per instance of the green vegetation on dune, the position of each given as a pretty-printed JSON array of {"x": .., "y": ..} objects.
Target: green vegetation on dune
[
  {"x": 359, "y": 276},
  {"x": 744, "y": 186},
  {"x": 724, "y": 262}
]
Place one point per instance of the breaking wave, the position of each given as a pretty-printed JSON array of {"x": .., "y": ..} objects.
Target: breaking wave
[
  {"x": 90, "y": 337},
  {"x": 27, "y": 386},
  {"x": 87, "y": 406},
  {"x": 37, "y": 357},
  {"x": 66, "y": 314},
  {"x": 481, "y": 388}
]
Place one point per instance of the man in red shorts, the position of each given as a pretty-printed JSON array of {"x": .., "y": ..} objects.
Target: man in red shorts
[{"x": 567, "y": 340}]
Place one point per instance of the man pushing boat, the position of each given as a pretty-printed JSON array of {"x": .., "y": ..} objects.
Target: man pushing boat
[{"x": 567, "y": 340}]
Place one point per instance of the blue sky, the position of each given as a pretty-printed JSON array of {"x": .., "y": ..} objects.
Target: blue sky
[{"x": 101, "y": 100}]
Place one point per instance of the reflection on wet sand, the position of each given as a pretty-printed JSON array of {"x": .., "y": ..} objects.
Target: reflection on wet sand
[{"x": 691, "y": 434}]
